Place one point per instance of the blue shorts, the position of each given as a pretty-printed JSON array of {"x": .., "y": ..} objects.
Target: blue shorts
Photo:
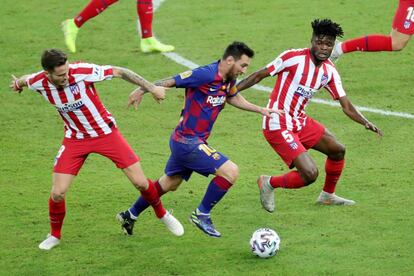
[{"x": 188, "y": 158}]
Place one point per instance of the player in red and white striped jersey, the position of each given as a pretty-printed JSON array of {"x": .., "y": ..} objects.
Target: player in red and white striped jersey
[
  {"x": 89, "y": 128},
  {"x": 301, "y": 73},
  {"x": 402, "y": 30}
]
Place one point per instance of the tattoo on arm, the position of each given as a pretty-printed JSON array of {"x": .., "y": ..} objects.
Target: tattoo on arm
[
  {"x": 134, "y": 78},
  {"x": 168, "y": 82}
]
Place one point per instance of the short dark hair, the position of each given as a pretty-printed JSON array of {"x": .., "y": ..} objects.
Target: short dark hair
[
  {"x": 237, "y": 49},
  {"x": 52, "y": 58},
  {"x": 326, "y": 27}
]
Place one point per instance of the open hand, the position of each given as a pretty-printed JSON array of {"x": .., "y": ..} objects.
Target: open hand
[
  {"x": 14, "y": 85},
  {"x": 268, "y": 112},
  {"x": 135, "y": 98},
  {"x": 373, "y": 128}
]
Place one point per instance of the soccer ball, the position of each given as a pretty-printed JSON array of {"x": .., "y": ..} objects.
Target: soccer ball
[{"x": 265, "y": 243}]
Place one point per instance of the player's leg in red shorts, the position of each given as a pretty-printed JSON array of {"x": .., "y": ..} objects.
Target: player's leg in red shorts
[
  {"x": 115, "y": 147},
  {"x": 335, "y": 152},
  {"x": 293, "y": 152},
  {"x": 68, "y": 161},
  {"x": 402, "y": 30}
]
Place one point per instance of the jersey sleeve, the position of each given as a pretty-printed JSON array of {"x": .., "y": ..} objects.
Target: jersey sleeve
[
  {"x": 34, "y": 81},
  {"x": 99, "y": 73},
  {"x": 194, "y": 78},
  {"x": 334, "y": 86}
]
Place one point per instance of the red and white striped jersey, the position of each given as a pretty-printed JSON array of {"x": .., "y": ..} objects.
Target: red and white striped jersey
[
  {"x": 78, "y": 103},
  {"x": 298, "y": 80}
]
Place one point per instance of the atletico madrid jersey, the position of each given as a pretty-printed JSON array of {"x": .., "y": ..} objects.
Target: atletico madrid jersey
[
  {"x": 298, "y": 80},
  {"x": 78, "y": 103}
]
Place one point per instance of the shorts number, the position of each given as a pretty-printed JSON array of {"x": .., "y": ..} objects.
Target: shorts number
[
  {"x": 287, "y": 136},
  {"x": 59, "y": 154},
  {"x": 410, "y": 14},
  {"x": 207, "y": 150}
]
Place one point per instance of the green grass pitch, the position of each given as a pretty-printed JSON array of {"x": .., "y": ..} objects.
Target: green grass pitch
[{"x": 374, "y": 237}]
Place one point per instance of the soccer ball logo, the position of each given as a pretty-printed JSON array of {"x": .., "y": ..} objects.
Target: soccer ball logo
[{"x": 265, "y": 243}]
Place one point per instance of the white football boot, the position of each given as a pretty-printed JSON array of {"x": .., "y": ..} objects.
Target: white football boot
[
  {"x": 172, "y": 224},
  {"x": 267, "y": 196},
  {"x": 332, "y": 199},
  {"x": 49, "y": 242},
  {"x": 336, "y": 52}
]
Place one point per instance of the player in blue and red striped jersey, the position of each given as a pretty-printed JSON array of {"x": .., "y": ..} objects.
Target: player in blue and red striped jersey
[{"x": 207, "y": 89}]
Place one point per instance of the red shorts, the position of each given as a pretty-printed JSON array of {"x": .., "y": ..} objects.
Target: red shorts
[
  {"x": 289, "y": 144},
  {"x": 73, "y": 153},
  {"x": 404, "y": 17}
]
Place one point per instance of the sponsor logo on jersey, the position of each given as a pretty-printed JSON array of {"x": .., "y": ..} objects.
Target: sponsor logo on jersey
[
  {"x": 74, "y": 89},
  {"x": 216, "y": 101},
  {"x": 407, "y": 24},
  {"x": 96, "y": 71},
  {"x": 68, "y": 107},
  {"x": 186, "y": 74},
  {"x": 324, "y": 80},
  {"x": 293, "y": 146},
  {"x": 305, "y": 91}
]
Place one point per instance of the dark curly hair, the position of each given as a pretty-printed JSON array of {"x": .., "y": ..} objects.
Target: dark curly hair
[{"x": 326, "y": 27}]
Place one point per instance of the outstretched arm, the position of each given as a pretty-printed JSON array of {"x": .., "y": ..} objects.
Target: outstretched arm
[
  {"x": 240, "y": 102},
  {"x": 135, "y": 97},
  {"x": 252, "y": 79},
  {"x": 350, "y": 110},
  {"x": 158, "y": 92}
]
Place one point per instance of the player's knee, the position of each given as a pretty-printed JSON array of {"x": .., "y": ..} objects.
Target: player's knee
[
  {"x": 338, "y": 153},
  {"x": 232, "y": 173},
  {"x": 57, "y": 196},
  {"x": 398, "y": 45},
  {"x": 310, "y": 175},
  {"x": 140, "y": 184}
]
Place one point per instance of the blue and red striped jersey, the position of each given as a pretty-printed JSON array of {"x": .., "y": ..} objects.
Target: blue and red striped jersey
[{"x": 205, "y": 96}]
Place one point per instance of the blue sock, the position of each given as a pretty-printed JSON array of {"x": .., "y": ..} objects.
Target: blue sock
[
  {"x": 217, "y": 188},
  {"x": 141, "y": 204}
]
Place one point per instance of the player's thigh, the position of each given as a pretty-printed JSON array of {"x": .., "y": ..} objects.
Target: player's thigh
[
  {"x": 115, "y": 147},
  {"x": 403, "y": 22},
  {"x": 71, "y": 156},
  {"x": 311, "y": 133},
  {"x": 61, "y": 184},
  {"x": 399, "y": 40},
  {"x": 285, "y": 143},
  {"x": 205, "y": 160},
  {"x": 330, "y": 146}
]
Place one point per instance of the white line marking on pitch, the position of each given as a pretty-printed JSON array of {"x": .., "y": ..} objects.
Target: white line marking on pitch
[{"x": 189, "y": 64}]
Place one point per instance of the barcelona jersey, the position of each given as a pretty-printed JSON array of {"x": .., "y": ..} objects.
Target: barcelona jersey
[{"x": 205, "y": 96}]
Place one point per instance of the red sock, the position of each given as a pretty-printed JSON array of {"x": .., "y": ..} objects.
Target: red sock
[
  {"x": 152, "y": 197},
  {"x": 369, "y": 43},
  {"x": 57, "y": 211},
  {"x": 144, "y": 11},
  {"x": 91, "y": 10},
  {"x": 157, "y": 185},
  {"x": 290, "y": 180},
  {"x": 333, "y": 171}
]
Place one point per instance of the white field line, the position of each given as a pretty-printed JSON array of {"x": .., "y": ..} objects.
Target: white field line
[{"x": 189, "y": 64}]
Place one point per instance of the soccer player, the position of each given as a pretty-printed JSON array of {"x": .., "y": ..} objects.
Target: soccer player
[
  {"x": 401, "y": 32},
  {"x": 149, "y": 43},
  {"x": 89, "y": 128},
  {"x": 301, "y": 73},
  {"x": 207, "y": 89}
]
